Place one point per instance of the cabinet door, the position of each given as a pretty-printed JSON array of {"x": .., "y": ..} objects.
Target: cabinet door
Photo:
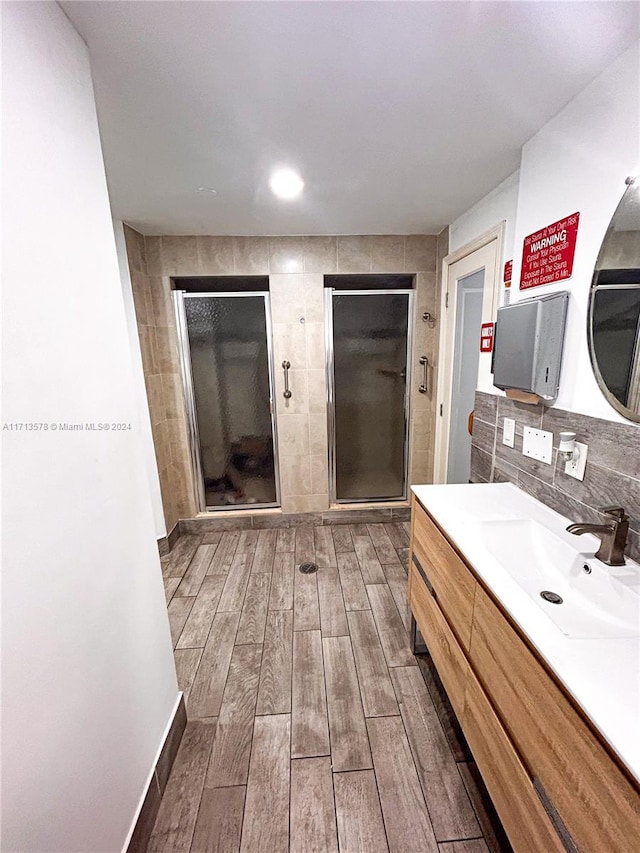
[
  {"x": 511, "y": 789},
  {"x": 447, "y": 655},
  {"x": 595, "y": 799},
  {"x": 451, "y": 578}
]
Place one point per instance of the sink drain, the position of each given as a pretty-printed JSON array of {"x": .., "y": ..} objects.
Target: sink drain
[
  {"x": 308, "y": 568},
  {"x": 553, "y": 597}
]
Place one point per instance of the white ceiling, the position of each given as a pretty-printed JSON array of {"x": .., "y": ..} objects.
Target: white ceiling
[{"x": 398, "y": 115}]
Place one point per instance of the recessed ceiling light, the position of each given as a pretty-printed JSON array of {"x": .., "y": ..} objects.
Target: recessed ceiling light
[
  {"x": 207, "y": 191},
  {"x": 285, "y": 183}
]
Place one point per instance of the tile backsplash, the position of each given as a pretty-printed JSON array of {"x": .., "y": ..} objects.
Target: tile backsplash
[{"x": 612, "y": 475}]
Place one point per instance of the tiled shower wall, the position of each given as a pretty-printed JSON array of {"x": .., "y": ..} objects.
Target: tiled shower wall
[
  {"x": 612, "y": 475},
  {"x": 159, "y": 349},
  {"x": 296, "y": 266}
]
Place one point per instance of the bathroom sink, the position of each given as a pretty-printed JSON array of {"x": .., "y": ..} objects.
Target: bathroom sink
[{"x": 593, "y": 603}]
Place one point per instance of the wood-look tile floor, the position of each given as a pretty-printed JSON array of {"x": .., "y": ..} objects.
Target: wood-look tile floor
[{"x": 311, "y": 725}]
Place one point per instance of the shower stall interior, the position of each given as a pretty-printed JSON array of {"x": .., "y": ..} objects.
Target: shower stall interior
[
  {"x": 368, "y": 344},
  {"x": 227, "y": 371}
]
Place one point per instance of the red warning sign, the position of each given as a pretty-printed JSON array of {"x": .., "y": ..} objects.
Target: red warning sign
[
  {"x": 486, "y": 337},
  {"x": 547, "y": 255}
]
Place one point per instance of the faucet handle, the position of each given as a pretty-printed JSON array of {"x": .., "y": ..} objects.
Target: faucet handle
[{"x": 615, "y": 511}]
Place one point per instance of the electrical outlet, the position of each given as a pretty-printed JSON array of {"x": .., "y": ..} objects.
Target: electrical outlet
[
  {"x": 575, "y": 467},
  {"x": 508, "y": 432},
  {"x": 538, "y": 444}
]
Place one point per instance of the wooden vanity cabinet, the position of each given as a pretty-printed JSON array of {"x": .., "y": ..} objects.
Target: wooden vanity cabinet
[
  {"x": 454, "y": 585},
  {"x": 554, "y": 783}
]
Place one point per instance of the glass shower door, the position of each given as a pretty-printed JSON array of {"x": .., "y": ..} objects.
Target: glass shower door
[
  {"x": 230, "y": 377},
  {"x": 370, "y": 336}
]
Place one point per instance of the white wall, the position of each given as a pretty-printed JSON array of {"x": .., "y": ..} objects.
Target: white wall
[
  {"x": 577, "y": 162},
  {"x": 88, "y": 676},
  {"x": 498, "y": 205},
  {"x": 145, "y": 435}
]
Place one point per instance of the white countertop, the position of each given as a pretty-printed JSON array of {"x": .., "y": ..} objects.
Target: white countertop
[{"x": 602, "y": 675}]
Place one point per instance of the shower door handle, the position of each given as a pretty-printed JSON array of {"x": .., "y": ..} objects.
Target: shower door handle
[
  {"x": 286, "y": 365},
  {"x": 424, "y": 361}
]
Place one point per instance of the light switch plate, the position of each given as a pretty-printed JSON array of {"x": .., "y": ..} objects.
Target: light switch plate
[
  {"x": 508, "y": 432},
  {"x": 538, "y": 444},
  {"x": 576, "y": 468}
]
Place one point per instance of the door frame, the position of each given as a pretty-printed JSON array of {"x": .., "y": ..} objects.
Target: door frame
[
  {"x": 184, "y": 351},
  {"x": 488, "y": 246},
  {"x": 329, "y": 293}
]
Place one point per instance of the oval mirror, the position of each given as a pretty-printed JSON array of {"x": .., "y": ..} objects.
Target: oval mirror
[{"x": 614, "y": 308}]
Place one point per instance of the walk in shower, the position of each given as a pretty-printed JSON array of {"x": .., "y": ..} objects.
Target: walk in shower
[
  {"x": 368, "y": 364},
  {"x": 227, "y": 367}
]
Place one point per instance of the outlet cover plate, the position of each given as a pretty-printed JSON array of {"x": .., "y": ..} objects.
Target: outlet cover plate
[
  {"x": 538, "y": 444},
  {"x": 508, "y": 432},
  {"x": 576, "y": 469}
]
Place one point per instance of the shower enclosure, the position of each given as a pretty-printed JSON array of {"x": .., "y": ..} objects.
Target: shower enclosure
[
  {"x": 227, "y": 370},
  {"x": 368, "y": 365}
]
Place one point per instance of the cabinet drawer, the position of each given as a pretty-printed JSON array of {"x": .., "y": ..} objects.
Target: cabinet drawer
[
  {"x": 511, "y": 789},
  {"x": 595, "y": 799},
  {"x": 443, "y": 647},
  {"x": 452, "y": 580}
]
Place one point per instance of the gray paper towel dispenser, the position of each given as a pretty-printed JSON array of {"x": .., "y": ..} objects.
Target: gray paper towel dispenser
[{"x": 527, "y": 350}]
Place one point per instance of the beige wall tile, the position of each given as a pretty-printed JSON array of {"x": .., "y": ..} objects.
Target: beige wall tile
[
  {"x": 153, "y": 256},
  {"x": 354, "y": 254},
  {"x": 250, "y": 255},
  {"x": 293, "y": 435},
  {"x": 155, "y": 397},
  {"x": 319, "y": 474},
  {"x": 161, "y": 444},
  {"x": 295, "y": 475},
  {"x": 422, "y": 431},
  {"x": 148, "y": 349},
  {"x": 178, "y": 442},
  {"x": 168, "y": 502},
  {"x": 317, "y": 392},
  {"x": 419, "y": 252},
  {"x": 289, "y": 342},
  {"x": 298, "y": 402},
  {"x": 318, "y": 436},
  {"x": 173, "y": 397},
  {"x": 185, "y": 503},
  {"x": 302, "y": 430},
  {"x": 316, "y": 503},
  {"x": 315, "y": 345},
  {"x": 179, "y": 255},
  {"x": 135, "y": 250},
  {"x": 161, "y": 301},
  {"x": 320, "y": 255},
  {"x": 215, "y": 255},
  {"x": 442, "y": 248},
  {"x": 421, "y": 467},
  {"x": 293, "y": 503},
  {"x": 287, "y": 298},
  {"x": 167, "y": 350},
  {"x": 426, "y": 289},
  {"x": 141, "y": 298},
  {"x": 313, "y": 298},
  {"x": 387, "y": 253},
  {"x": 286, "y": 255}
]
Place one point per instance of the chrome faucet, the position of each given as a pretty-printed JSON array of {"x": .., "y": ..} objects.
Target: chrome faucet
[{"x": 613, "y": 535}]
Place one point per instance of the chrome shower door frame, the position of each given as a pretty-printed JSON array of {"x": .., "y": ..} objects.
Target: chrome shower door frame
[
  {"x": 184, "y": 350},
  {"x": 329, "y": 293}
]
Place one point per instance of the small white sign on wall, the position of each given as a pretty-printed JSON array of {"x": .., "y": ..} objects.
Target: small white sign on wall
[{"x": 538, "y": 444}]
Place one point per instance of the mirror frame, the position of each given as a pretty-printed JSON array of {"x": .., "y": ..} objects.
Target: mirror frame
[{"x": 611, "y": 398}]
